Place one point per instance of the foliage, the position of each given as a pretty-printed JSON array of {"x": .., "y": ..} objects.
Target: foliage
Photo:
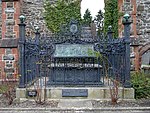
[
  {"x": 111, "y": 16},
  {"x": 99, "y": 21},
  {"x": 4, "y": 88},
  {"x": 141, "y": 83},
  {"x": 87, "y": 18},
  {"x": 7, "y": 91},
  {"x": 61, "y": 13},
  {"x": 114, "y": 88}
]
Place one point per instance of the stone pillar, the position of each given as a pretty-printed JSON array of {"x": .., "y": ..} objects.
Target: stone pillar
[
  {"x": 134, "y": 33},
  {"x": 0, "y": 38},
  {"x": 120, "y": 7},
  {"x": 137, "y": 58}
]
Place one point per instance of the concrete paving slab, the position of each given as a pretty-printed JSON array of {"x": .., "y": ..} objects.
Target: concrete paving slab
[{"x": 77, "y": 103}]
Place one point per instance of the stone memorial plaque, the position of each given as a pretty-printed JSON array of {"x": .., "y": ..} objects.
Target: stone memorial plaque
[
  {"x": 73, "y": 50},
  {"x": 74, "y": 93}
]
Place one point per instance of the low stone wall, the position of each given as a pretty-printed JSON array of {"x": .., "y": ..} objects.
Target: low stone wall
[{"x": 102, "y": 93}]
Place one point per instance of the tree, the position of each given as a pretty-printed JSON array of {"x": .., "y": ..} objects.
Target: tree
[
  {"x": 87, "y": 18},
  {"x": 99, "y": 22},
  {"x": 61, "y": 13},
  {"x": 111, "y": 16}
]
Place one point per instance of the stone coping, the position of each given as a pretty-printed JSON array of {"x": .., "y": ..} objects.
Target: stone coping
[{"x": 102, "y": 93}]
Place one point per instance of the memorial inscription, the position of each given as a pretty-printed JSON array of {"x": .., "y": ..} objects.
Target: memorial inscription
[
  {"x": 74, "y": 50},
  {"x": 74, "y": 93}
]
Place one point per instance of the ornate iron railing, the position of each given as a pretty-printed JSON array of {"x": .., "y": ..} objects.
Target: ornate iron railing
[{"x": 71, "y": 60}]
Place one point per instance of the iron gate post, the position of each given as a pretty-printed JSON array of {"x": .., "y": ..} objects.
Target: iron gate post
[
  {"x": 126, "y": 23},
  {"x": 22, "y": 52},
  {"x": 37, "y": 38}
]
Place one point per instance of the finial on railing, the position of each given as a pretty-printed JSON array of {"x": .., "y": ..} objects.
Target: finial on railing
[
  {"x": 126, "y": 18},
  {"x": 37, "y": 29},
  {"x": 110, "y": 28},
  {"x": 22, "y": 18}
]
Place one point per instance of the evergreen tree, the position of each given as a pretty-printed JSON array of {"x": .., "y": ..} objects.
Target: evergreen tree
[
  {"x": 111, "y": 16},
  {"x": 61, "y": 13},
  {"x": 87, "y": 18},
  {"x": 99, "y": 21}
]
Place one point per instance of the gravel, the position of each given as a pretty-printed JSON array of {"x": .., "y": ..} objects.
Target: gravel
[
  {"x": 136, "y": 103},
  {"x": 54, "y": 103},
  {"x": 25, "y": 104}
]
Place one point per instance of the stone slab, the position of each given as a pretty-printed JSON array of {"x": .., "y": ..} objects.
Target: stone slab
[
  {"x": 102, "y": 93},
  {"x": 96, "y": 93},
  {"x": 128, "y": 93},
  {"x": 20, "y": 93},
  {"x": 8, "y": 43},
  {"x": 9, "y": 10},
  {"x": 74, "y": 92},
  {"x": 9, "y": 70},
  {"x": 77, "y": 103},
  {"x": 8, "y": 57}
]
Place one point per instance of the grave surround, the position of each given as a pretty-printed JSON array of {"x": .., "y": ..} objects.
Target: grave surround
[{"x": 33, "y": 10}]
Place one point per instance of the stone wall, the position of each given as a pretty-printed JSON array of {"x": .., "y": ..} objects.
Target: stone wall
[
  {"x": 128, "y": 6},
  {"x": 9, "y": 64},
  {"x": 33, "y": 10},
  {"x": 140, "y": 28},
  {"x": 140, "y": 13},
  {"x": 143, "y": 21},
  {"x": 10, "y": 14},
  {"x": 9, "y": 40},
  {"x": 0, "y": 20}
]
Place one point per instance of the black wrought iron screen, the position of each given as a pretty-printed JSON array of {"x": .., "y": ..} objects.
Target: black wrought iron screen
[
  {"x": 113, "y": 59},
  {"x": 73, "y": 60}
]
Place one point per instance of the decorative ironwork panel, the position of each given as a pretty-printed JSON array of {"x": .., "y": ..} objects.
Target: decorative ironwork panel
[{"x": 68, "y": 59}]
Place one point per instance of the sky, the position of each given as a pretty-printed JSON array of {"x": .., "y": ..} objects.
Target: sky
[{"x": 93, "y": 5}]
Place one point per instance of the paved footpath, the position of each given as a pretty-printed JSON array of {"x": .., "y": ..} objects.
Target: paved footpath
[{"x": 77, "y": 110}]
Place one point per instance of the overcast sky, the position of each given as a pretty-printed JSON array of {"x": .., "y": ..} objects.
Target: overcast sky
[{"x": 93, "y": 5}]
